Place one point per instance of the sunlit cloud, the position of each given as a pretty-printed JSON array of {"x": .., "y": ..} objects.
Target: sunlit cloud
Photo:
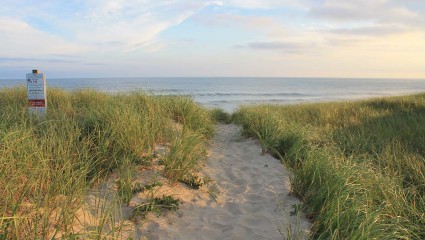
[
  {"x": 279, "y": 47},
  {"x": 367, "y": 12}
]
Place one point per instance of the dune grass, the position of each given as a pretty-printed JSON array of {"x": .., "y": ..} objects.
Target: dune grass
[
  {"x": 359, "y": 167},
  {"x": 47, "y": 165},
  {"x": 220, "y": 116}
]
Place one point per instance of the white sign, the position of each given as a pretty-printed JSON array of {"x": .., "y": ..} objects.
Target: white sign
[
  {"x": 36, "y": 86},
  {"x": 36, "y": 92}
]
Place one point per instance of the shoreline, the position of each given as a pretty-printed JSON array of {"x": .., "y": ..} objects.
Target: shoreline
[{"x": 230, "y": 93}]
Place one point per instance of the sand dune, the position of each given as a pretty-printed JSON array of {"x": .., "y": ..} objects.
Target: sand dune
[{"x": 253, "y": 197}]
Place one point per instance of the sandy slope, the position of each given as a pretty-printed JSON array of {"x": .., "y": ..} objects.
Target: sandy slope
[{"x": 253, "y": 202}]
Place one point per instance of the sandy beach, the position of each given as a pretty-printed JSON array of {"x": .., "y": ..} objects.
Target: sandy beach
[{"x": 253, "y": 197}]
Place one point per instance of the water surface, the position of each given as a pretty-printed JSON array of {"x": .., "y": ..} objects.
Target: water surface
[{"x": 229, "y": 93}]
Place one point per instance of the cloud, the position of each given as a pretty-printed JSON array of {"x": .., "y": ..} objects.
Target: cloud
[
  {"x": 264, "y": 4},
  {"x": 343, "y": 11},
  {"x": 50, "y": 60},
  {"x": 278, "y": 46},
  {"x": 235, "y": 20},
  {"x": 136, "y": 23},
  {"x": 366, "y": 11},
  {"x": 346, "y": 23},
  {"x": 376, "y": 30},
  {"x": 20, "y": 39},
  {"x": 101, "y": 25},
  {"x": 273, "y": 45}
]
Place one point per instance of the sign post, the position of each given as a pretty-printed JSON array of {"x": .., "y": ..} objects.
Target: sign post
[{"x": 36, "y": 92}]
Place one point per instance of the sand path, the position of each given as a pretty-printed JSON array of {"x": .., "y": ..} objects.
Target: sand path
[{"x": 253, "y": 200}]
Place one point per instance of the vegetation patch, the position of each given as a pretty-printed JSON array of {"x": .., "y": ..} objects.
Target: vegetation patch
[
  {"x": 219, "y": 115},
  {"x": 194, "y": 181},
  {"x": 86, "y": 135},
  {"x": 358, "y": 166},
  {"x": 186, "y": 153},
  {"x": 126, "y": 189},
  {"x": 156, "y": 205},
  {"x": 148, "y": 187}
]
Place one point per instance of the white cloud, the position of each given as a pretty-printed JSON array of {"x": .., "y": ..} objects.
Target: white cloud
[
  {"x": 20, "y": 39},
  {"x": 377, "y": 11},
  {"x": 129, "y": 24}
]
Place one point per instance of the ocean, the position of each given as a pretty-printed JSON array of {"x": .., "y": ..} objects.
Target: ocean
[{"x": 230, "y": 93}]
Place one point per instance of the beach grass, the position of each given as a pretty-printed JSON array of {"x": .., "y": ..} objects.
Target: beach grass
[
  {"x": 358, "y": 167},
  {"x": 220, "y": 116},
  {"x": 48, "y": 164}
]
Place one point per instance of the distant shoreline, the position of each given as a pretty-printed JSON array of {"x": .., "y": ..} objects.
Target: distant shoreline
[{"x": 230, "y": 93}]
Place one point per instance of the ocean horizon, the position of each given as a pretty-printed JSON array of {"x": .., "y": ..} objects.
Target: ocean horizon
[{"x": 229, "y": 93}]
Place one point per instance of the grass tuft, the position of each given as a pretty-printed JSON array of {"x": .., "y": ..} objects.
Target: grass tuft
[
  {"x": 186, "y": 153},
  {"x": 195, "y": 181},
  {"x": 156, "y": 205},
  {"x": 219, "y": 115}
]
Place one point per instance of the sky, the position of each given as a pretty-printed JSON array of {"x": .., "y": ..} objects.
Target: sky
[{"x": 226, "y": 38}]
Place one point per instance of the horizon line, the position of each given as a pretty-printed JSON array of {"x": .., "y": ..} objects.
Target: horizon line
[{"x": 308, "y": 77}]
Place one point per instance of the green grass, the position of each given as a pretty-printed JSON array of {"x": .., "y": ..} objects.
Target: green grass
[
  {"x": 186, "y": 153},
  {"x": 219, "y": 115},
  {"x": 359, "y": 167},
  {"x": 156, "y": 205},
  {"x": 47, "y": 165}
]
